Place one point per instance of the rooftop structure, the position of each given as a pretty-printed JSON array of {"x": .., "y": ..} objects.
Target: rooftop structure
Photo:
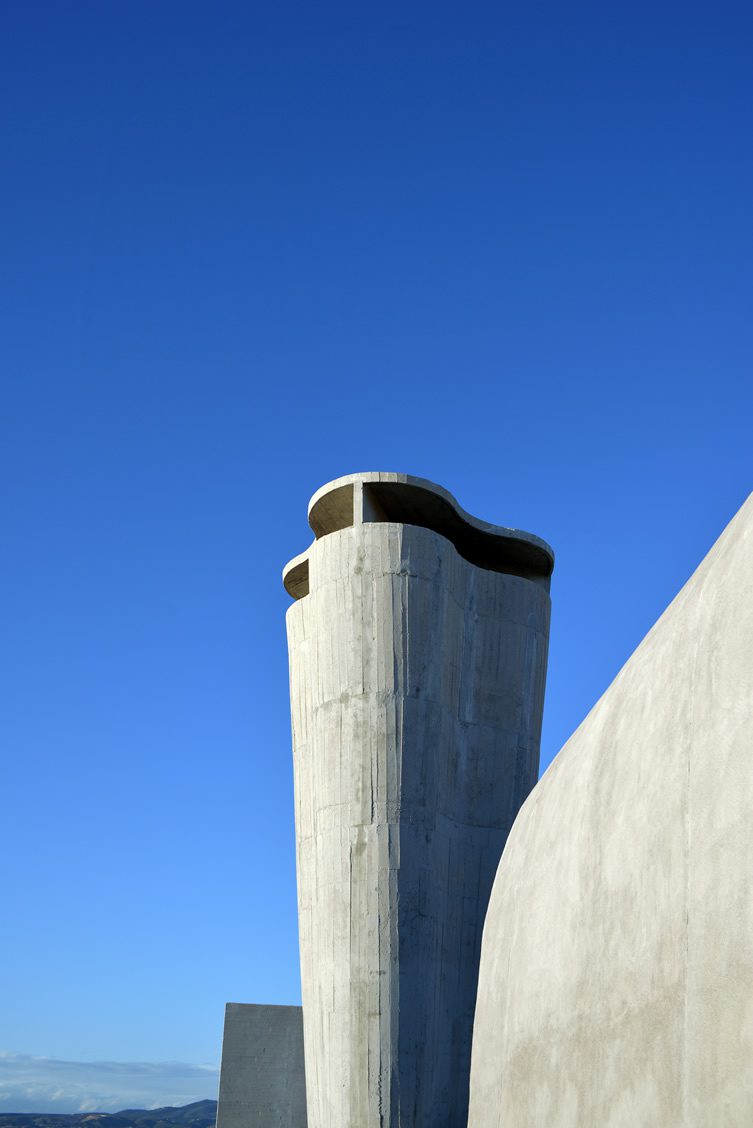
[{"x": 418, "y": 647}]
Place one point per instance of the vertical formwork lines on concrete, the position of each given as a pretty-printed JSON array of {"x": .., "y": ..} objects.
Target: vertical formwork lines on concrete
[{"x": 418, "y": 647}]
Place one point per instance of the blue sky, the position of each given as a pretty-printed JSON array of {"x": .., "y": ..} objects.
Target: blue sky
[{"x": 247, "y": 249}]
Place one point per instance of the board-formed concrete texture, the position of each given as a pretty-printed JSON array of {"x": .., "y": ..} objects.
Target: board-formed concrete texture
[
  {"x": 262, "y": 1082},
  {"x": 418, "y": 648},
  {"x": 616, "y": 982}
]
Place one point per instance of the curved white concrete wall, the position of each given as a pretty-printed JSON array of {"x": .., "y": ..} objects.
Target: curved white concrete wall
[
  {"x": 417, "y": 684},
  {"x": 616, "y": 982}
]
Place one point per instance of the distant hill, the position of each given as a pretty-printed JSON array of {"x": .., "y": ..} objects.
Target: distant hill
[{"x": 200, "y": 1114}]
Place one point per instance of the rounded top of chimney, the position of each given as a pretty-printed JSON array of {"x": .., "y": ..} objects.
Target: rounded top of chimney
[{"x": 381, "y": 496}]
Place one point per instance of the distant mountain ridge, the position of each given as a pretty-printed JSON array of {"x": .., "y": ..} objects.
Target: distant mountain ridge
[{"x": 200, "y": 1114}]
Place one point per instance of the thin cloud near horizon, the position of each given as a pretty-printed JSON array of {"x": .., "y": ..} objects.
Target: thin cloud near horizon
[{"x": 29, "y": 1083}]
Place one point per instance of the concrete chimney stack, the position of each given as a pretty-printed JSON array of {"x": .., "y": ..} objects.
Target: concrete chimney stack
[{"x": 418, "y": 650}]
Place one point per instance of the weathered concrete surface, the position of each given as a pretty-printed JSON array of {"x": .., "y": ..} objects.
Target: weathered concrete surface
[
  {"x": 417, "y": 684},
  {"x": 616, "y": 983},
  {"x": 262, "y": 1081}
]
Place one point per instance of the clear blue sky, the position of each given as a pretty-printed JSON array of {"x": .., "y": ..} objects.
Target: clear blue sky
[{"x": 247, "y": 249}]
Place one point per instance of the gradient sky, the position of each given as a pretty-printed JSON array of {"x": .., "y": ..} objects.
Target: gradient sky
[{"x": 247, "y": 249}]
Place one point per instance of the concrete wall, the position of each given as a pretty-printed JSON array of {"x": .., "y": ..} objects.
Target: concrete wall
[
  {"x": 417, "y": 684},
  {"x": 616, "y": 983},
  {"x": 262, "y": 1081}
]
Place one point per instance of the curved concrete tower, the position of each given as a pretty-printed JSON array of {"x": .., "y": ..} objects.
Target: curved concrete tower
[{"x": 418, "y": 648}]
